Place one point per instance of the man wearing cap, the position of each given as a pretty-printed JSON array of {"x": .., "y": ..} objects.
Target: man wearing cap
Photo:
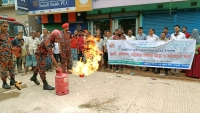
[
  {"x": 65, "y": 48},
  {"x": 6, "y": 58},
  {"x": 44, "y": 49}
]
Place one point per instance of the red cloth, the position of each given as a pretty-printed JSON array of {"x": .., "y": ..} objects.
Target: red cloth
[
  {"x": 187, "y": 35},
  {"x": 80, "y": 43},
  {"x": 65, "y": 25},
  {"x": 195, "y": 69},
  {"x": 74, "y": 43}
]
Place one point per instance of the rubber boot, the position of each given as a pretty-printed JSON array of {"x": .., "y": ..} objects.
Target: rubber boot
[
  {"x": 12, "y": 82},
  {"x": 47, "y": 86},
  {"x": 34, "y": 79},
  {"x": 5, "y": 85}
]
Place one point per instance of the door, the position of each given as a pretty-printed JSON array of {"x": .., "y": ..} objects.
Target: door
[
  {"x": 102, "y": 25},
  {"x": 127, "y": 24}
]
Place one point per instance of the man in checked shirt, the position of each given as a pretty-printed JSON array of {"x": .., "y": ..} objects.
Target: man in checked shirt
[{"x": 119, "y": 36}]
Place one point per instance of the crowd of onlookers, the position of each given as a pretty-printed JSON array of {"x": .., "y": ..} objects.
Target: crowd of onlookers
[
  {"x": 119, "y": 34},
  {"x": 28, "y": 45}
]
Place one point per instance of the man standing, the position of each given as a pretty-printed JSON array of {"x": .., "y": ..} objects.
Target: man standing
[
  {"x": 184, "y": 30},
  {"x": 166, "y": 32},
  {"x": 99, "y": 44},
  {"x": 105, "y": 55},
  {"x": 119, "y": 36},
  {"x": 16, "y": 46},
  {"x": 31, "y": 46},
  {"x": 44, "y": 32},
  {"x": 74, "y": 46},
  {"x": 177, "y": 35},
  {"x": 163, "y": 38},
  {"x": 80, "y": 45},
  {"x": 98, "y": 33},
  {"x": 130, "y": 35},
  {"x": 141, "y": 36},
  {"x": 151, "y": 38},
  {"x": 44, "y": 49},
  {"x": 6, "y": 60},
  {"x": 65, "y": 48},
  {"x": 22, "y": 33}
]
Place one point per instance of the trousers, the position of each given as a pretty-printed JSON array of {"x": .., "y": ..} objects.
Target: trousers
[{"x": 40, "y": 67}]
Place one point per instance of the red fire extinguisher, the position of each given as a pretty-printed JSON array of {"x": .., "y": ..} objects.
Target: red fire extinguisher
[{"x": 61, "y": 82}]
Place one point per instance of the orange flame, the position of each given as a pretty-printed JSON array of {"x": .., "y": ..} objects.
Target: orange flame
[{"x": 92, "y": 57}]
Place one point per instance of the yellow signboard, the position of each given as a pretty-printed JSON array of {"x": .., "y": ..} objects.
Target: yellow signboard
[{"x": 83, "y": 5}]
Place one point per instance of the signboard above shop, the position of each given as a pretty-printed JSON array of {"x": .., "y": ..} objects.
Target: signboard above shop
[
  {"x": 40, "y": 7},
  {"x": 21, "y": 5}
]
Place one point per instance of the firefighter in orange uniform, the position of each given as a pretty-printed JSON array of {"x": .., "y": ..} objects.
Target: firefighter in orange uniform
[
  {"x": 44, "y": 49},
  {"x": 65, "y": 48},
  {"x": 6, "y": 58}
]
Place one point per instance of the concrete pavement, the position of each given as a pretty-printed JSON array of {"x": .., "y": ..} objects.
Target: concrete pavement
[{"x": 104, "y": 92}]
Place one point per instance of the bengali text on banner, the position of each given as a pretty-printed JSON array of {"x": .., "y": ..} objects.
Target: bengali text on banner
[{"x": 176, "y": 54}]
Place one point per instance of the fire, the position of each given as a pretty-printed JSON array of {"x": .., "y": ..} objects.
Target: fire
[{"x": 92, "y": 58}]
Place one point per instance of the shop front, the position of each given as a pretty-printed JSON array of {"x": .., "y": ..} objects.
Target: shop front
[
  {"x": 112, "y": 21},
  {"x": 54, "y": 21},
  {"x": 158, "y": 20}
]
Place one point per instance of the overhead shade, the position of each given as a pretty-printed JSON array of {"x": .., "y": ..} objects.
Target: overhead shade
[
  {"x": 72, "y": 17},
  {"x": 124, "y": 14},
  {"x": 57, "y": 18},
  {"x": 99, "y": 16},
  {"x": 44, "y": 19}
]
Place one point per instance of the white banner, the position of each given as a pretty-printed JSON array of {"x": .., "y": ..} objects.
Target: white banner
[{"x": 177, "y": 54}]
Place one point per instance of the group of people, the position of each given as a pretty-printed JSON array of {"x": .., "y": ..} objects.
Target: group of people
[
  {"x": 65, "y": 47},
  {"x": 151, "y": 37},
  {"x": 17, "y": 51}
]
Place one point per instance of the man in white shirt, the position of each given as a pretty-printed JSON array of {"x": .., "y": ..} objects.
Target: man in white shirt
[
  {"x": 31, "y": 46},
  {"x": 105, "y": 55},
  {"x": 130, "y": 35},
  {"x": 151, "y": 38},
  {"x": 99, "y": 44},
  {"x": 56, "y": 52},
  {"x": 175, "y": 36}
]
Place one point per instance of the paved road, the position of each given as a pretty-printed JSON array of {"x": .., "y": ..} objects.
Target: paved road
[{"x": 104, "y": 92}]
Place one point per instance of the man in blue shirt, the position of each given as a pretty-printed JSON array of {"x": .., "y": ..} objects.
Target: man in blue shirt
[
  {"x": 141, "y": 35},
  {"x": 165, "y": 30}
]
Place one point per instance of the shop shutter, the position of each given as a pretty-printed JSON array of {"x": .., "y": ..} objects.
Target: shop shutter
[
  {"x": 158, "y": 22},
  {"x": 190, "y": 19}
]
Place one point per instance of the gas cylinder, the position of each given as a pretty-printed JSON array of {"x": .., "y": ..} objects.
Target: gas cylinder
[{"x": 61, "y": 82}]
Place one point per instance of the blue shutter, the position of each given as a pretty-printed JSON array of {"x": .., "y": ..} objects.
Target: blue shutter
[
  {"x": 190, "y": 19},
  {"x": 158, "y": 22}
]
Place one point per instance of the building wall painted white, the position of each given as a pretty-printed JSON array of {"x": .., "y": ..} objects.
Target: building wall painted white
[
  {"x": 115, "y": 3},
  {"x": 10, "y": 12}
]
